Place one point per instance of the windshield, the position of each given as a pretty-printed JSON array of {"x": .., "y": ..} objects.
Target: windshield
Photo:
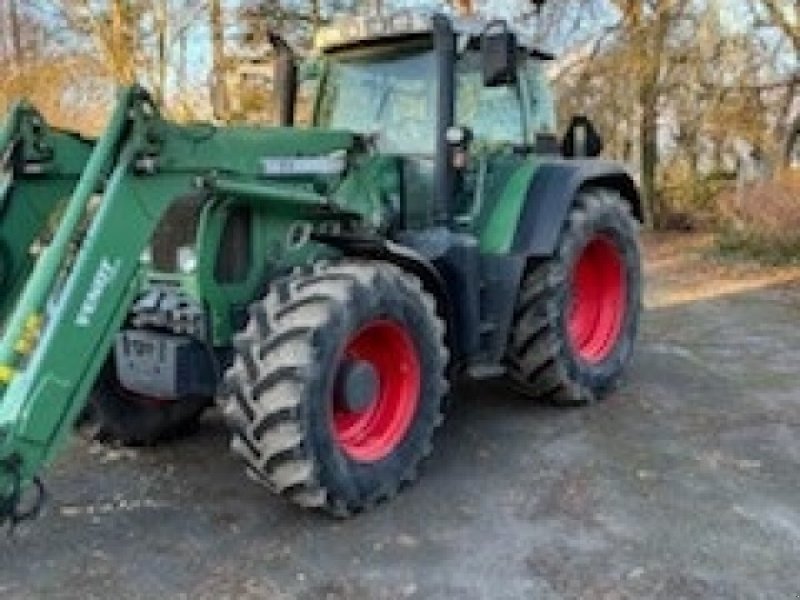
[{"x": 393, "y": 97}]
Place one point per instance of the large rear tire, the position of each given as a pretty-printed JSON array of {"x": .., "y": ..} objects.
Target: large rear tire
[
  {"x": 337, "y": 385},
  {"x": 578, "y": 311},
  {"x": 118, "y": 415}
]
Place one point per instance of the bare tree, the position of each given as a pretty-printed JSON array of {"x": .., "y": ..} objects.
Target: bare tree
[
  {"x": 785, "y": 15},
  {"x": 219, "y": 90},
  {"x": 15, "y": 31}
]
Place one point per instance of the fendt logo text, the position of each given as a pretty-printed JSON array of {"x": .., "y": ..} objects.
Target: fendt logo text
[{"x": 106, "y": 273}]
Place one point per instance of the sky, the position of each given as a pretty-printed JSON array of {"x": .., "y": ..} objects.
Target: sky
[{"x": 733, "y": 14}]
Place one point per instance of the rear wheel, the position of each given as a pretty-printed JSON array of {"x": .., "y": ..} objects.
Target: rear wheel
[
  {"x": 577, "y": 314},
  {"x": 337, "y": 385},
  {"x": 117, "y": 414}
]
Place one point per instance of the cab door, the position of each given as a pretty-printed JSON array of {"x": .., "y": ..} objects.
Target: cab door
[{"x": 497, "y": 120}]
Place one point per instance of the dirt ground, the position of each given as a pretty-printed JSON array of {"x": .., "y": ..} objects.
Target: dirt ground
[{"x": 683, "y": 484}]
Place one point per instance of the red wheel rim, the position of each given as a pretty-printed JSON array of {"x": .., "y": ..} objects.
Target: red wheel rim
[
  {"x": 373, "y": 434},
  {"x": 598, "y": 300}
]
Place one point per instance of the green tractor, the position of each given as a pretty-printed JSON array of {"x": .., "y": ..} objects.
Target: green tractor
[{"x": 326, "y": 284}]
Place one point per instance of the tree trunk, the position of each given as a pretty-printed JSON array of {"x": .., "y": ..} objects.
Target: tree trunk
[
  {"x": 3, "y": 34},
  {"x": 316, "y": 15},
  {"x": 122, "y": 46},
  {"x": 465, "y": 7},
  {"x": 792, "y": 149},
  {"x": 785, "y": 126},
  {"x": 648, "y": 135},
  {"x": 161, "y": 37},
  {"x": 220, "y": 100},
  {"x": 653, "y": 42},
  {"x": 183, "y": 59},
  {"x": 16, "y": 32}
]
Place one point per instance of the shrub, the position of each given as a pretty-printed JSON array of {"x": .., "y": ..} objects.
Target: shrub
[{"x": 762, "y": 220}]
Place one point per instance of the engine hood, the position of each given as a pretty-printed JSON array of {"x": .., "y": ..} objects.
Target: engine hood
[
  {"x": 245, "y": 150},
  {"x": 292, "y": 141}
]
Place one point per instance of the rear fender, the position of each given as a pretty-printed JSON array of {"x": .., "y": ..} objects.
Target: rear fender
[
  {"x": 551, "y": 194},
  {"x": 545, "y": 192}
]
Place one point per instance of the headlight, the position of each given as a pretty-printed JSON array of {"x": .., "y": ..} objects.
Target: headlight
[{"x": 187, "y": 259}]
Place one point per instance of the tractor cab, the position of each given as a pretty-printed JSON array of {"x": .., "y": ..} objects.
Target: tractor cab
[
  {"x": 460, "y": 102},
  {"x": 388, "y": 85}
]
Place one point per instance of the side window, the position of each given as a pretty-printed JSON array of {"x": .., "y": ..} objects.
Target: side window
[
  {"x": 493, "y": 114},
  {"x": 542, "y": 98}
]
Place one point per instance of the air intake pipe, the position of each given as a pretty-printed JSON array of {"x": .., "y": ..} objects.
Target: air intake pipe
[
  {"x": 285, "y": 80},
  {"x": 445, "y": 47}
]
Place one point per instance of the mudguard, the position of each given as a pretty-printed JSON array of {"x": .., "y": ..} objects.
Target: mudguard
[{"x": 551, "y": 193}]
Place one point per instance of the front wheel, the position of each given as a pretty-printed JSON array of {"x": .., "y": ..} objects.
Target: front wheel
[
  {"x": 337, "y": 385},
  {"x": 578, "y": 311},
  {"x": 116, "y": 414}
]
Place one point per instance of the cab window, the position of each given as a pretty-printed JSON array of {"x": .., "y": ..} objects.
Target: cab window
[
  {"x": 542, "y": 99},
  {"x": 392, "y": 97},
  {"x": 493, "y": 114}
]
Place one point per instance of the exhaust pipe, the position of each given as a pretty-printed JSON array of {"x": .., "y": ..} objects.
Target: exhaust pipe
[{"x": 444, "y": 40}]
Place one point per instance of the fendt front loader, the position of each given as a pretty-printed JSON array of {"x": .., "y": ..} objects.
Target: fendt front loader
[{"x": 326, "y": 284}]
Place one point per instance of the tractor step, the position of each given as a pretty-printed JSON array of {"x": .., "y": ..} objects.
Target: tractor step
[{"x": 485, "y": 371}]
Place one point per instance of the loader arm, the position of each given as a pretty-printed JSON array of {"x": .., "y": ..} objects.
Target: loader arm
[
  {"x": 39, "y": 168},
  {"x": 74, "y": 302}
]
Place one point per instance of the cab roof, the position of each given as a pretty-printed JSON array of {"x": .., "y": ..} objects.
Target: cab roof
[{"x": 350, "y": 33}]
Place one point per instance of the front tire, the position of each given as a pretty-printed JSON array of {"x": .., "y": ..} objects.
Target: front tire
[
  {"x": 578, "y": 311},
  {"x": 337, "y": 385},
  {"x": 117, "y": 415}
]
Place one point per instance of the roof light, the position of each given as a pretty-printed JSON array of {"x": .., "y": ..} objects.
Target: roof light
[{"x": 355, "y": 29}]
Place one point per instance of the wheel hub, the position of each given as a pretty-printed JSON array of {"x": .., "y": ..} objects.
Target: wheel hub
[
  {"x": 357, "y": 385},
  {"x": 376, "y": 391}
]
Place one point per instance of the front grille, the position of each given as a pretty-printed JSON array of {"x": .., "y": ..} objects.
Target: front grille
[{"x": 168, "y": 310}]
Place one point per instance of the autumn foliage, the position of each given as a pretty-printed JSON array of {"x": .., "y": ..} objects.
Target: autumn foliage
[{"x": 683, "y": 91}]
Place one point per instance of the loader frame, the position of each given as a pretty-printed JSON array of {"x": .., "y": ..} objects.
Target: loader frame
[{"x": 59, "y": 334}]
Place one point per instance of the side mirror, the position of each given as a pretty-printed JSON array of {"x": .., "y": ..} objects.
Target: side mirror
[
  {"x": 582, "y": 139},
  {"x": 499, "y": 55}
]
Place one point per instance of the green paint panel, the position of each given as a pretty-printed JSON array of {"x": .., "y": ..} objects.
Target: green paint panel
[{"x": 501, "y": 227}]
